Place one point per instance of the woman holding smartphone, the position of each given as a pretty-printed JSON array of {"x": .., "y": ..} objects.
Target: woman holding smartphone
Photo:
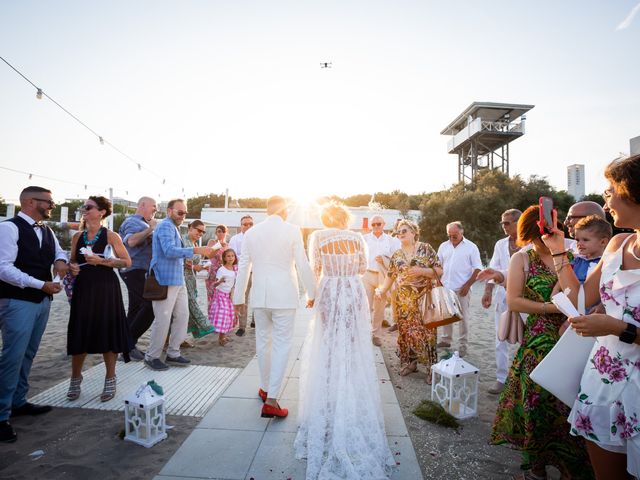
[{"x": 529, "y": 418}]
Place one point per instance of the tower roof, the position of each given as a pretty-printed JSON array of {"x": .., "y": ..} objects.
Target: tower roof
[{"x": 489, "y": 111}]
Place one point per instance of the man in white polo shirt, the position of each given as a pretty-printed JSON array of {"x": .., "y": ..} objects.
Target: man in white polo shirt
[
  {"x": 461, "y": 264},
  {"x": 381, "y": 246}
]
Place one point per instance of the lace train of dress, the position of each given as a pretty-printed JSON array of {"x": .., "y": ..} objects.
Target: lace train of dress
[{"x": 341, "y": 426}]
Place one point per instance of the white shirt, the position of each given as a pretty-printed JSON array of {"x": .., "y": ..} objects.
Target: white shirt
[
  {"x": 385, "y": 245},
  {"x": 458, "y": 262},
  {"x": 236, "y": 243},
  {"x": 229, "y": 277},
  {"x": 9, "y": 252},
  {"x": 500, "y": 263}
]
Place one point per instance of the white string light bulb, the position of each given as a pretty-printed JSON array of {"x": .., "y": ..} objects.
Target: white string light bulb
[{"x": 39, "y": 94}]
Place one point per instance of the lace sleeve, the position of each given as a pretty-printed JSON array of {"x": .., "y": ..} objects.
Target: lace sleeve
[
  {"x": 363, "y": 255},
  {"x": 314, "y": 255}
]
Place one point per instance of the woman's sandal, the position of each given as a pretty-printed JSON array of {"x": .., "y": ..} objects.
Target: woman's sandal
[
  {"x": 223, "y": 341},
  {"x": 74, "y": 388},
  {"x": 409, "y": 368},
  {"x": 427, "y": 379},
  {"x": 109, "y": 390}
]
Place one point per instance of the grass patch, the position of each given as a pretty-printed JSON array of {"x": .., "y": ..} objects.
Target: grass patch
[{"x": 433, "y": 412}]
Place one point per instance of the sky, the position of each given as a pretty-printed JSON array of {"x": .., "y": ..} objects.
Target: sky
[{"x": 215, "y": 95}]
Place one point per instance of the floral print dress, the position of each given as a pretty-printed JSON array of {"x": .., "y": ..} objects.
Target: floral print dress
[
  {"x": 529, "y": 418},
  {"x": 607, "y": 407},
  {"x": 415, "y": 342}
]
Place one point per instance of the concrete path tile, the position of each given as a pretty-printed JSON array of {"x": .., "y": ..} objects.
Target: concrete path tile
[
  {"x": 407, "y": 467},
  {"x": 251, "y": 369},
  {"x": 387, "y": 392},
  {"x": 275, "y": 459},
  {"x": 291, "y": 390},
  {"x": 235, "y": 414},
  {"x": 243, "y": 387},
  {"x": 208, "y": 453},
  {"x": 393, "y": 420}
]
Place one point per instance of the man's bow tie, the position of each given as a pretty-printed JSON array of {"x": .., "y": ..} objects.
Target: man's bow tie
[{"x": 38, "y": 225}]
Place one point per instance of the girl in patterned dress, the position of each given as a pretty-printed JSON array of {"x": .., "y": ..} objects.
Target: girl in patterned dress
[
  {"x": 606, "y": 410},
  {"x": 221, "y": 312}
]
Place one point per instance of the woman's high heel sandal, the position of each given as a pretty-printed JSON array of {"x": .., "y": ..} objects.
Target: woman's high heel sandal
[
  {"x": 109, "y": 389},
  {"x": 74, "y": 388}
]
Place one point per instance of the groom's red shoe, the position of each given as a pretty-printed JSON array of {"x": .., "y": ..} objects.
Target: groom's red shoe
[
  {"x": 263, "y": 395},
  {"x": 269, "y": 412}
]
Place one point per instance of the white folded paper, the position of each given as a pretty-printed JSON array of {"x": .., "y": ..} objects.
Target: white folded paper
[{"x": 561, "y": 370}]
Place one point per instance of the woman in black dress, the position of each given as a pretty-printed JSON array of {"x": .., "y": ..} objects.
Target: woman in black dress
[{"x": 97, "y": 323}]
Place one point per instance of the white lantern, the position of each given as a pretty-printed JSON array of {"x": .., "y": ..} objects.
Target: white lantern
[
  {"x": 454, "y": 384},
  {"x": 144, "y": 417}
]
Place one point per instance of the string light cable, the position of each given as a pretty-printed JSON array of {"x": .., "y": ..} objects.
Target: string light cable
[{"x": 40, "y": 93}]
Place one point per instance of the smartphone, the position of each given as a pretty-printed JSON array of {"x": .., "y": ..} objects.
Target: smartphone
[{"x": 546, "y": 215}]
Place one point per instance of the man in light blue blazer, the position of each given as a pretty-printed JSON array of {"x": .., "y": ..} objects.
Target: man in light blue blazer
[{"x": 167, "y": 264}]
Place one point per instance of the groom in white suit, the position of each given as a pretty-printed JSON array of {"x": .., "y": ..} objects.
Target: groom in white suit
[{"x": 270, "y": 250}]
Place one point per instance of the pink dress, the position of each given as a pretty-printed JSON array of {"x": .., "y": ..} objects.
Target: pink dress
[{"x": 221, "y": 311}]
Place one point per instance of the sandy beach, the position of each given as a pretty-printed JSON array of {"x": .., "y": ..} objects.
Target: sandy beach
[{"x": 81, "y": 443}]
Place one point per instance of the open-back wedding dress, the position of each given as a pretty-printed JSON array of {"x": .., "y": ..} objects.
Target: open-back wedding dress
[{"x": 341, "y": 427}]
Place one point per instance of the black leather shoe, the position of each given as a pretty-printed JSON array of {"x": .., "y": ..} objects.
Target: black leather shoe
[
  {"x": 240, "y": 332},
  {"x": 7, "y": 433},
  {"x": 30, "y": 409}
]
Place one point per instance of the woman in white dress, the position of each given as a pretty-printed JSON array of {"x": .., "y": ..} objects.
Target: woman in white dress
[
  {"x": 341, "y": 427},
  {"x": 607, "y": 409}
]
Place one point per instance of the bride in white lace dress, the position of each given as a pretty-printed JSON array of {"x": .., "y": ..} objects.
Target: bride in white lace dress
[{"x": 341, "y": 427}]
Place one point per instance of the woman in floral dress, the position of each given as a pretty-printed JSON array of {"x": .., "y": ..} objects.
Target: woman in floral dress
[
  {"x": 199, "y": 325},
  {"x": 607, "y": 408},
  {"x": 529, "y": 418},
  {"x": 414, "y": 265}
]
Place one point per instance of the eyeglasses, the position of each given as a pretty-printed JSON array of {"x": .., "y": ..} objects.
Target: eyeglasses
[
  {"x": 376, "y": 224},
  {"x": 86, "y": 208},
  {"x": 505, "y": 224},
  {"x": 50, "y": 202},
  {"x": 200, "y": 231},
  {"x": 181, "y": 213},
  {"x": 403, "y": 231},
  {"x": 250, "y": 224}
]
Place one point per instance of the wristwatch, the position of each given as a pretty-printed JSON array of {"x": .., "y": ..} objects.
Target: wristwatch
[{"x": 630, "y": 333}]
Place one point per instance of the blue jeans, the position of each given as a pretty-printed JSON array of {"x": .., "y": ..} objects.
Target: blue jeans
[{"x": 22, "y": 324}]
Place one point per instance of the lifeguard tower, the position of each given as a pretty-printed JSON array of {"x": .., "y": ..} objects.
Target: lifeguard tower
[{"x": 481, "y": 136}]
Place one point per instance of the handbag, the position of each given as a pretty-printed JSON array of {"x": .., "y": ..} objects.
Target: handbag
[
  {"x": 511, "y": 324},
  {"x": 152, "y": 289},
  {"x": 441, "y": 306}
]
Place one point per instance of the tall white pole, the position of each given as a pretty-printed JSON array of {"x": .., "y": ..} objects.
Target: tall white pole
[{"x": 226, "y": 199}]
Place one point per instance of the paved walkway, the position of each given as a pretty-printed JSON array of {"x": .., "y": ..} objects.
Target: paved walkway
[{"x": 232, "y": 442}]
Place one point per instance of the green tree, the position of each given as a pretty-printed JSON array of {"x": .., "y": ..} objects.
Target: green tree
[
  {"x": 479, "y": 206},
  {"x": 196, "y": 204}
]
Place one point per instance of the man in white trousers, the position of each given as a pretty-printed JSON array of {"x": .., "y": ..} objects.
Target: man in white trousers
[
  {"x": 272, "y": 250},
  {"x": 497, "y": 274}
]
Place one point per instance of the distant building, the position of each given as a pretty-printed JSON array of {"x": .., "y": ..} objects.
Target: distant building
[
  {"x": 575, "y": 181},
  {"x": 634, "y": 146}
]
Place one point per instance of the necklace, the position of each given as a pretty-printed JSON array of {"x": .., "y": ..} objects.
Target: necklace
[
  {"x": 85, "y": 237},
  {"x": 409, "y": 258}
]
